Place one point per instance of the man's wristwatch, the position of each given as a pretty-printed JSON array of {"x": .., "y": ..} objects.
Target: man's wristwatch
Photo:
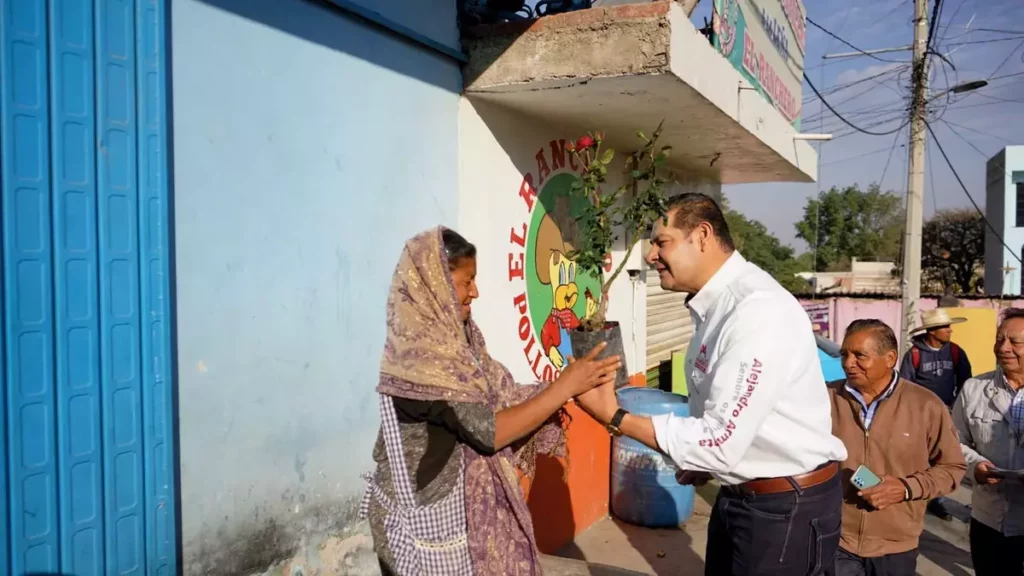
[{"x": 616, "y": 421}]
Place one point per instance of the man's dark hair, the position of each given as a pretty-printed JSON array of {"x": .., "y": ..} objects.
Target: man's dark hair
[
  {"x": 456, "y": 248},
  {"x": 692, "y": 208},
  {"x": 884, "y": 336},
  {"x": 1012, "y": 313}
]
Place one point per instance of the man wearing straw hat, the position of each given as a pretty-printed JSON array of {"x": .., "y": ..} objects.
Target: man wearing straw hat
[{"x": 939, "y": 365}]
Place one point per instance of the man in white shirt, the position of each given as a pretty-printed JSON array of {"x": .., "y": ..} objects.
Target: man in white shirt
[{"x": 761, "y": 419}]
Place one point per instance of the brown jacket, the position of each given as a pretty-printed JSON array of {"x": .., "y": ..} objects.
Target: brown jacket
[{"x": 911, "y": 437}]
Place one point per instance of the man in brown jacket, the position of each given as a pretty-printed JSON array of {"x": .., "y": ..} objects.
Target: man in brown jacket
[{"x": 901, "y": 432}]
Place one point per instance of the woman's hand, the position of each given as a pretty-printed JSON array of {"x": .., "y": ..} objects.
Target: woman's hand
[
  {"x": 517, "y": 421},
  {"x": 588, "y": 372}
]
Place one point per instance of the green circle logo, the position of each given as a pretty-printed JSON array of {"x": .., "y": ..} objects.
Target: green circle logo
[{"x": 558, "y": 294}]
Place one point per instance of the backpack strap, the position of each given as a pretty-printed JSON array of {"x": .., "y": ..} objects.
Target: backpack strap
[
  {"x": 915, "y": 357},
  {"x": 956, "y": 354}
]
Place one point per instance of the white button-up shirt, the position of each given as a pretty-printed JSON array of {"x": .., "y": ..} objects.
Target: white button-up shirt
[{"x": 758, "y": 403}]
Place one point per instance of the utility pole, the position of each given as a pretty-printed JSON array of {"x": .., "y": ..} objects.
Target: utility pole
[{"x": 915, "y": 176}]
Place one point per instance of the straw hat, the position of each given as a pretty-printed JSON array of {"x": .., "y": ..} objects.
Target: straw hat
[{"x": 934, "y": 319}]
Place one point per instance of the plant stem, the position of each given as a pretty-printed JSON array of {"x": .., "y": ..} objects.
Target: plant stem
[{"x": 629, "y": 250}]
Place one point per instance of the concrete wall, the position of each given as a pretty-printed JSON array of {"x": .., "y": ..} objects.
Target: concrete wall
[
  {"x": 511, "y": 172},
  {"x": 1003, "y": 171},
  {"x": 307, "y": 148}
]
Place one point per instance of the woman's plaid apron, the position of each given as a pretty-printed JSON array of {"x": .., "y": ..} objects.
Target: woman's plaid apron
[{"x": 423, "y": 540}]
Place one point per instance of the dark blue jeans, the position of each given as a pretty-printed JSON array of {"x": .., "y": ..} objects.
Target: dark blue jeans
[
  {"x": 789, "y": 534},
  {"x": 902, "y": 564}
]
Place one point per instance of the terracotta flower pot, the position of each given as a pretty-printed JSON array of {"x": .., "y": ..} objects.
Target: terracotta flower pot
[{"x": 584, "y": 342}]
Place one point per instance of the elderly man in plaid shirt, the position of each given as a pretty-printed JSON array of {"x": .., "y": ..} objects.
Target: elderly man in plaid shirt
[{"x": 989, "y": 414}]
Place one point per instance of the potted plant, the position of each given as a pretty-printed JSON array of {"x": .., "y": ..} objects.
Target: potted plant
[{"x": 631, "y": 209}]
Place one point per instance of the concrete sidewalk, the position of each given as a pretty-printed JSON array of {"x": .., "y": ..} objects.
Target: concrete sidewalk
[{"x": 611, "y": 545}]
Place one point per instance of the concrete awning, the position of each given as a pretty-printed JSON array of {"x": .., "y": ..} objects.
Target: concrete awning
[{"x": 626, "y": 68}]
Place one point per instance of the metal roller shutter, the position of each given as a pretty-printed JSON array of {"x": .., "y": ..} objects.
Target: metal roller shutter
[{"x": 668, "y": 322}]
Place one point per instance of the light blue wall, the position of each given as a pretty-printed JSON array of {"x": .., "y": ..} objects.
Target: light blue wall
[
  {"x": 307, "y": 147},
  {"x": 1004, "y": 170}
]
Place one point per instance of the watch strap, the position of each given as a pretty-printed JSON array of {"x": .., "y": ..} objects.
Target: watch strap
[{"x": 617, "y": 418}]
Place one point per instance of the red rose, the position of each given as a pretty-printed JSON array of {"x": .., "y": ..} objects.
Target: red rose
[
  {"x": 570, "y": 147},
  {"x": 584, "y": 142},
  {"x": 599, "y": 136}
]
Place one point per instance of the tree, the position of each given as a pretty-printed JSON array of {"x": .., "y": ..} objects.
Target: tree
[
  {"x": 850, "y": 223},
  {"x": 952, "y": 248},
  {"x": 761, "y": 247}
]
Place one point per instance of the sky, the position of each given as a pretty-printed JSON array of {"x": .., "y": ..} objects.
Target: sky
[{"x": 971, "y": 127}]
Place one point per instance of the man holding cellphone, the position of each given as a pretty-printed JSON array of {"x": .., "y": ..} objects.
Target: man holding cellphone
[{"x": 902, "y": 451}]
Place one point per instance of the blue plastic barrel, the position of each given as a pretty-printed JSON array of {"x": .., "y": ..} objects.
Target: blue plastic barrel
[{"x": 644, "y": 487}]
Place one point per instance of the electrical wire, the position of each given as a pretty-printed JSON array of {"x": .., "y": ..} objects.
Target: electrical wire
[
  {"x": 1007, "y": 59},
  {"x": 826, "y": 31},
  {"x": 852, "y": 83},
  {"x": 993, "y": 79},
  {"x": 885, "y": 169},
  {"x": 978, "y": 132},
  {"x": 964, "y": 138},
  {"x": 845, "y": 121},
  {"x": 864, "y": 155},
  {"x": 963, "y": 186},
  {"x": 936, "y": 15},
  {"x": 986, "y": 41}
]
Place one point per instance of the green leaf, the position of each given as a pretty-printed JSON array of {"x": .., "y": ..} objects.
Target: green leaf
[
  {"x": 608, "y": 156},
  {"x": 640, "y": 135},
  {"x": 666, "y": 150}
]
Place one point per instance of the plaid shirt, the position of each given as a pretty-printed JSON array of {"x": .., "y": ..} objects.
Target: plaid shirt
[
  {"x": 1016, "y": 414},
  {"x": 867, "y": 413}
]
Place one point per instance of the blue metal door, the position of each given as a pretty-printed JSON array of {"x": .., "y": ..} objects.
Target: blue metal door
[{"x": 88, "y": 478}]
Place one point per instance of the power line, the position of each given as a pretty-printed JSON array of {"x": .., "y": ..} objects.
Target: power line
[
  {"x": 936, "y": 12},
  {"x": 864, "y": 155},
  {"x": 852, "y": 83},
  {"x": 979, "y": 132},
  {"x": 963, "y": 186},
  {"x": 986, "y": 41},
  {"x": 826, "y": 31},
  {"x": 993, "y": 79},
  {"x": 889, "y": 159},
  {"x": 1007, "y": 59},
  {"x": 840, "y": 116}
]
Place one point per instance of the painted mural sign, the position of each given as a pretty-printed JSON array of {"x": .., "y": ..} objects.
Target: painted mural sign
[
  {"x": 552, "y": 295},
  {"x": 764, "y": 41},
  {"x": 819, "y": 315}
]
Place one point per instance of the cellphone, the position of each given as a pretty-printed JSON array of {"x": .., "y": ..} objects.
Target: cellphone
[{"x": 864, "y": 478}]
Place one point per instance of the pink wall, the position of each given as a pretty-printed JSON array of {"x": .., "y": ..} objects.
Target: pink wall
[{"x": 845, "y": 310}]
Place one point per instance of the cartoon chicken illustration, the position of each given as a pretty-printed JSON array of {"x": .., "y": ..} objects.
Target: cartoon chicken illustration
[{"x": 557, "y": 270}]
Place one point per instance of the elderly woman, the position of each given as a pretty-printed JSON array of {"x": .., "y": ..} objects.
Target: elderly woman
[
  {"x": 989, "y": 414},
  {"x": 445, "y": 499}
]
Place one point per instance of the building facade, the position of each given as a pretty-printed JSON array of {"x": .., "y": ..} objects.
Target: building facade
[
  {"x": 203, "y": 203},
  {"x": 1004, "y": 208}
]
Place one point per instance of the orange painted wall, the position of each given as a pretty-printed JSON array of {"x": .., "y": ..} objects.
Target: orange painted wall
[{"x": 562, "y": 509}]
